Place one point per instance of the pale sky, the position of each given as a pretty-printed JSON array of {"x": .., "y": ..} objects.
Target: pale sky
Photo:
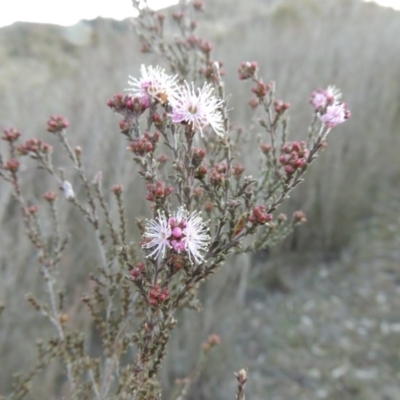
[{"x": 69, "y": 12}]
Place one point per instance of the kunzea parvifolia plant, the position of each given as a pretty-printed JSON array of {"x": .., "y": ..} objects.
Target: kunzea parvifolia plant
[{"x": 202, "y": 206}]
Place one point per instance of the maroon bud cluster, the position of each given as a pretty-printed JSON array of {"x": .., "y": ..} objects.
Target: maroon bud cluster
[
  {"x": 201, "y": 44},
  {"x": 212, "y": 341},
  {"x": 347, "y": 112},
  {"x": 158, "y": 120},
  {"x": 208, "y": 206},
  {"x": 247, "y": 70},
  {"x": 125, "y": 126},
  {"x": 127, "y": 105},
  {"x": 177, "y": 262},
  {"x": 146, "y": 48},
  {"x": 261, "y": 89},
  {"x": 237, "y": 170},
  {"x": 198, "y": 5},
  {"x": 32, "y": 210},
  {"x": 57, "y": 123},
  {"x": 294, "y": 156},
  {"x": 280, "y": 106},
  {"x": 198, "y": 192},
  {"x": 282, "y": 217},
  {"x": 11, "y": 135},
  {"x": 208, "y": 71},
  {"x": 259, "y": 216},
  {"x": 205, "y": 46},
  {"x": 117, "y": 189},
  {"x": 34, "y": 146},
  {"x": 145, "y": 144},
  {"x": 12, "y": 165},
  {"x": 177, "y": 16},
  {"x": 299, "y": 217},
  {"x": 198, "y": 155},
  {"x": 162, "y": 158},
  {"x": 201, "y": 172},
  {"x": 158, "y": 190},
  {"x": 50, "y": 196},
  {"x": 137, "y": 272},
  {"x": 265, "y": 147},
  {"x": 254, "y": 102},
  {"x": 157, "y": 296},
  {"x": 218, "y": 174}
]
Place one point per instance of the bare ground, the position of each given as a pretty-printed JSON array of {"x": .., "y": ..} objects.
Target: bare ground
[{"x": 336, "y": 334}]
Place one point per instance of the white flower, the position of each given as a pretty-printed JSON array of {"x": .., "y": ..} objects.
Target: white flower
[
  {"x": 196, "y": 236},
  {"x": 181, "y": 232},
  {"x": 197, "y": 108},
  {"x": 154, "y": 83},
  {"x": 333, "y": 93},
  {"x": 158, "y": 232}
]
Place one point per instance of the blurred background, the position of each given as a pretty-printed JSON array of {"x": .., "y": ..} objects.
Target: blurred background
[{"x": 314, "y": 318}]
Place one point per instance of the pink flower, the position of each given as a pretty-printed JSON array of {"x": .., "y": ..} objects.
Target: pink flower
[
  {"x": 178, "y": 245},
  {"x": 154, "y": 84},
  {"x": 198, "y": 108},
  {"x": 320, "y": 99},
  {"x": 335, "y": 114}
]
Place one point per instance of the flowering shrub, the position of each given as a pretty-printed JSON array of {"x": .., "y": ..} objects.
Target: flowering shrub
[{"x": 202, "y": 206}]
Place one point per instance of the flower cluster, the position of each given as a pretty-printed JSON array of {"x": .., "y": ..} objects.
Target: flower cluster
[
  {"x": 11, "y": 165},
  {"x": 294, "y": 156},
  {"x": 217, "y": 174},
  {"x": 33, "y": 147},
  {"x": 153, "y": 85},
  {"x": 11, "y": 135},
  {"x": 247, "y": 70},
  {"x": 158, "y": 190},
  {"x": 157, "y": 295},
  {"x": 138, "y": 271},
  {"x": 281, "y": 106},
  {"x": 181, "y": 232},
  {"x": 237, "y": 170},
  {"x": 259, "y": 215},
  {"x": 198, "y": 156},
  {"x": 329, "y": 107},
  {"x": 126, "y": 105},
  {"x": 194, "y": 107},
  {"x": 57, "y": 123},
  {"x": 145, "y": 144},
  {"x": 50, "y": 196}
]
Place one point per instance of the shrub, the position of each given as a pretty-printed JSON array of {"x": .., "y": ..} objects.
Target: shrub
[{"x": 202, "y": 206}]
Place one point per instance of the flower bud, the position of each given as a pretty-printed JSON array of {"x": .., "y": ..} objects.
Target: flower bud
[
  {"x": 12, "y": 165},
  {"x": 117, "y": 189},
  {"x": 50, "y": 196},
  {"x": 66, "y": 187}
]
